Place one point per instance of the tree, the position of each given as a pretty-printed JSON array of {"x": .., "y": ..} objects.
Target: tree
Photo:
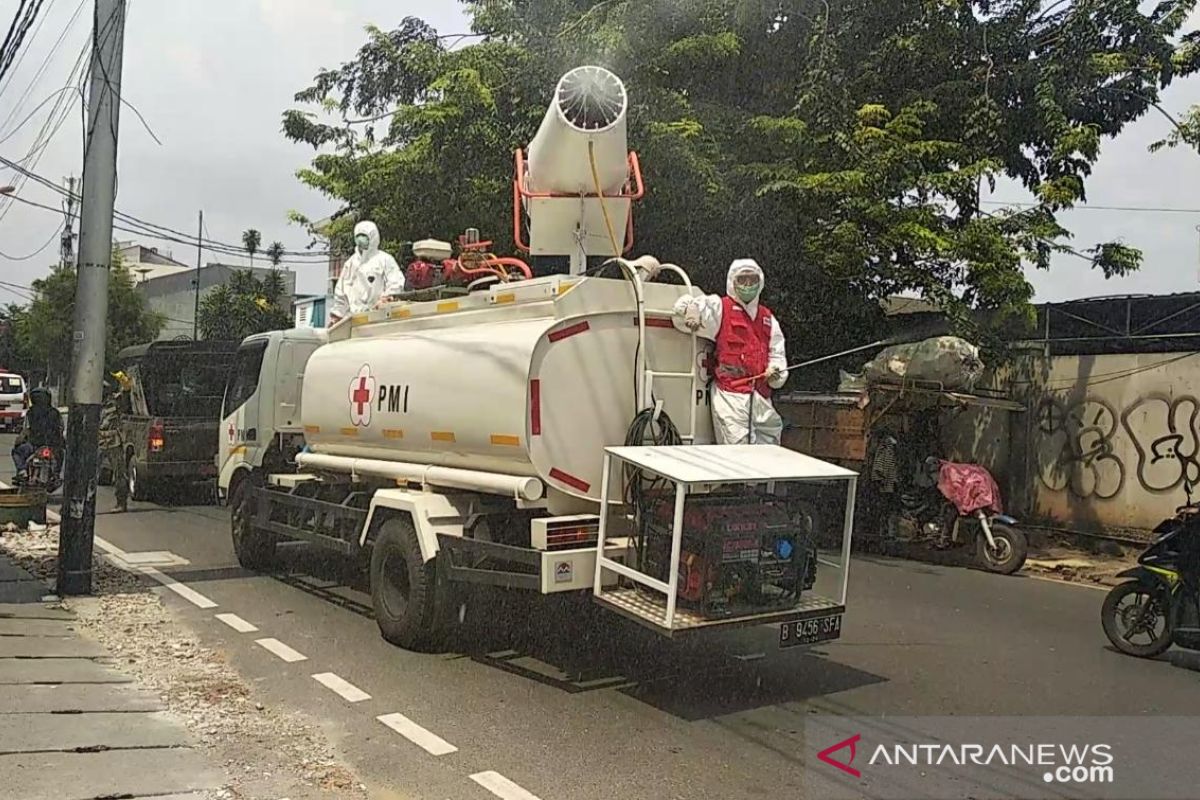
[
  {"x": 251, "y": 239},
  {"x": 44, "y": 330},
  {"x": 244, "y": 306},
  {"x": 275, "y": 253},
  {"x": 13, "y": 356},
  {"x": 844, "y": 144}
]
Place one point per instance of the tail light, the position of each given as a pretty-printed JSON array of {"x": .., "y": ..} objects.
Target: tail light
[
  {"x": 154, "y": 438},
  {"x": 45, "y": 453}
]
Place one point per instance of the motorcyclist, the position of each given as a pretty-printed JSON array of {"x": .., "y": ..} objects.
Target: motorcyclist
[{"x": 43, "y": 428}]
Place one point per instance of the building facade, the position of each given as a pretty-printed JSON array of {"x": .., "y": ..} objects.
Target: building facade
[{"x": 174, "y": 294}]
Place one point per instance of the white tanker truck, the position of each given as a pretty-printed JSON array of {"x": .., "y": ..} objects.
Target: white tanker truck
[{"x": 548, "y": 433}]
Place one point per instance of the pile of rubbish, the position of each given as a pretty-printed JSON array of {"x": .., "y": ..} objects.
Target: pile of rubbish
[{"x": 944, "y": 362}]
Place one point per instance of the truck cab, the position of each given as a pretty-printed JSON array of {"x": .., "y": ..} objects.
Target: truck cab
[{"x": 260, "y": 416}]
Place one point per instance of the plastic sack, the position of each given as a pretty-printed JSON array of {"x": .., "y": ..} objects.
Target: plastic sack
[
  {"x": 948, "y": 361},
  {"x": 969, "y": 487},
  {"x": 851, "y": 383}
]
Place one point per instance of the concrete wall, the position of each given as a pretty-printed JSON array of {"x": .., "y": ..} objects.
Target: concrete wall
[{"x": 1108, "y": 439}]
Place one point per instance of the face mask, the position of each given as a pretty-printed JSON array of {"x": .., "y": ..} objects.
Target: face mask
[
  {"x": 362, "y": 241},
  {"x": 746, "y": 293}
]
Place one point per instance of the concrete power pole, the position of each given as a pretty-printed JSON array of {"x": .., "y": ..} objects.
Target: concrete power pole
[
  {"x": 91, "y": 300},
  {"x": 199, "y": 255}
]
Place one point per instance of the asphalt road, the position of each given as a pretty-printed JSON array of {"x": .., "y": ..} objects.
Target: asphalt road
[{"x": 568, "y": 701}]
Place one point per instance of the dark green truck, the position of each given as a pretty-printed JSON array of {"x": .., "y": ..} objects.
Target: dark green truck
[{"x": 165, "y": 421}]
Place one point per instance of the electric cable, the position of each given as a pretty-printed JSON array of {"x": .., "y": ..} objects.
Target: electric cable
[{"x": 50, "y": 241}]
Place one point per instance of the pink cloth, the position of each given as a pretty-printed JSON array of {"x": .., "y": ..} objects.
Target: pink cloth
[{"x": 969, "y": 487}]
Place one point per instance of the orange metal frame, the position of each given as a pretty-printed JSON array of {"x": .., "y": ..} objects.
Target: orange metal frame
[{"x": 635, "y": 190}]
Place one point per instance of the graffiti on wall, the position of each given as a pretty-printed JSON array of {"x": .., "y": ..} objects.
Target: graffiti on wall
[
  {"x": 1076, "y": 452},
  {"x": 1090, "y": 449}
]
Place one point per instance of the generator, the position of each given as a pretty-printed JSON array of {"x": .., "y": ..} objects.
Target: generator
[{"x": 740, "y": 554}]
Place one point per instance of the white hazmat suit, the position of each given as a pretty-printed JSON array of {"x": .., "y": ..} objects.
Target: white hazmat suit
[
  {"x": 739, "y": 416},
  {"x": 369, "y": 276}
]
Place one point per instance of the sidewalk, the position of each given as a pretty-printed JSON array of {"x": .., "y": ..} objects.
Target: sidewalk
[{"x": 71, "y": 726}]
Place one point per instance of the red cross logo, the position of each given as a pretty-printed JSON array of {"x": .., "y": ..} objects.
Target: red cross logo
[
  {"x": 232, "y": 433},
  {"x": 362, "y": 387}
]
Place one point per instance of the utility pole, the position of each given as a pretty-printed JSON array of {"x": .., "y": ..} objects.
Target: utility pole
[
  {"x": 68, "y": 234},
  {"x": 199, "y": 251},
  {"x": 76, "y": 535}
]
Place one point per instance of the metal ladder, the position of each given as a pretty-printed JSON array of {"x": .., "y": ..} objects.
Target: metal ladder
[{"x": 646, "y": 375}]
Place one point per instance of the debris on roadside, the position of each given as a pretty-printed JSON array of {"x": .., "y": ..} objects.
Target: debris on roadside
[
  {"x": 265, "y": 752},
  {"x": 1075, "y": 565}
]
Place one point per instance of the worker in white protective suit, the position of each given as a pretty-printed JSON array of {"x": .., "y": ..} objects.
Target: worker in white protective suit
[
  {"x": 750, "y": 358},
  {"x": 370, "y": 277}
]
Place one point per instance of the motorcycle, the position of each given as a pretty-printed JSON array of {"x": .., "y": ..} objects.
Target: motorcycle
[
  {"x": 1160, "y": 604},
  {"x": 943, "y": 499},
  {"x": 41, "y": 471}
]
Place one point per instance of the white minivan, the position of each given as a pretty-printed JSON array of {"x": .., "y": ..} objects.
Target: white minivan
[{"x": 14, "y": 399}]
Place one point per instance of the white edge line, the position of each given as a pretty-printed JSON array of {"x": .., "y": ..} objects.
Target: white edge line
[
  {"x": 502, "y": 787},
  {"x": 237, "y": 623},
  {"x": 342, "y": 687},
  {"x": 186, "y": 592},
  {"x": 280, "y": 650},
  {"x": 428, "y": 741}
]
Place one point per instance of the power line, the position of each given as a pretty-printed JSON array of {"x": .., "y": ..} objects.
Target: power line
[
  {"x": 1090, "y": 207},
  {"x": 49, "y": 242},
  {"x": 45, "y": 63},
  {"x": 10, "y": 53}
]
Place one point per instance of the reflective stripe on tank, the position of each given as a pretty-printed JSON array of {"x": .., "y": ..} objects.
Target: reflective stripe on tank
[
  {"x": 535, "y": 407},
  {"x": 656, "y": 322},
  {"x": 349, "y": 431},
  {"x": 393, "y": 433},
  {"x": 447, "y": 306},
  {"x": 506, "y": 297},
  {"x": 570, "y": 480},
  {"x": 506, "y": 440},
  {"x": 442, "y": 436},
  {"x": 577, "y": 328},
  {"x": 400, "y": 313},
  {"x": 312, "y": 428},
  {"x": 360, "y": 319}
]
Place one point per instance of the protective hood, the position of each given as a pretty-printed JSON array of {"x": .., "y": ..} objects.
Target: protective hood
[
  {"x": 372, "y": 233},
  {"x": 739, "y": 267}
]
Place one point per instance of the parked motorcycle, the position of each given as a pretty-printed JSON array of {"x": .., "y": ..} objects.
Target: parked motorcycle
[
  {"x": 1160, "y": 604},
  {"x": 946, "y": 497}
]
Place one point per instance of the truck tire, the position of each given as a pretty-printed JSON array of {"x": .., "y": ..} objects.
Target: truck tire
[
  {"x": 140, "y": 488},
  {"x": 255, "y": 549},
  {"x": 403, "y": 587}
]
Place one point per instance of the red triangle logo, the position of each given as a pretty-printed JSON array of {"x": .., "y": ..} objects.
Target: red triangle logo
[{"x": 852, "y": 742}]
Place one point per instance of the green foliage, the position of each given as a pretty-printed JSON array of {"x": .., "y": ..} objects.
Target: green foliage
[
  {"x": 275, "y": 253},
  {"x": 843, "y": 144},
  {"x": 43, "y": 331},
  {"x": 244, "y": 306},
  {"x": 251, "y": 240}
]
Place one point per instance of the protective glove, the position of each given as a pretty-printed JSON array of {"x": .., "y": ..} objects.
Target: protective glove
[
  {"x": 691, "y": 317},
  {"x": 774, "y": 375},
  {"x": 649, "y": 266}
]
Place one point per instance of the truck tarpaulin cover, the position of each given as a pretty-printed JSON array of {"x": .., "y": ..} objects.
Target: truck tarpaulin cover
[
  {"x": 946, "y": 360},
  {"x": 969, "y": 487}
]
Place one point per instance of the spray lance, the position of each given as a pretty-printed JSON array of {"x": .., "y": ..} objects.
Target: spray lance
[{"x": 740, "y": 382}]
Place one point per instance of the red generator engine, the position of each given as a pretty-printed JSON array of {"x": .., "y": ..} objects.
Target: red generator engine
[
  {"x": 740, "y": 554},
  {"x": 426, "y": 269}
]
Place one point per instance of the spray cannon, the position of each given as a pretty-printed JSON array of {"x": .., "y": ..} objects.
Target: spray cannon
[{"x": 574, "y": 193}]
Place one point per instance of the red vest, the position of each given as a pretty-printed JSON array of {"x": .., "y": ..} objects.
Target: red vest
[{"x": 743, "y": 348}]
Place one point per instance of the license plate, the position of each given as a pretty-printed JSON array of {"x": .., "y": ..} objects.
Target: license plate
[{"x": 810, "y": 631}]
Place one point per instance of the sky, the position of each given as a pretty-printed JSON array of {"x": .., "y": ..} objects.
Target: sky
[{"x": 212, "y": 77}]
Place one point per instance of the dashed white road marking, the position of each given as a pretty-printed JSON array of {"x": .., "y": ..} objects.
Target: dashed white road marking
[
  {"x": 502, "y": 787},
  {"x": 426, "y": 740},
  {"x": 237, "y": 623},
  {"x": 281, "y": 650},
  {"x": 184, "y": 591},
  {"x": 348, "y": 691}
]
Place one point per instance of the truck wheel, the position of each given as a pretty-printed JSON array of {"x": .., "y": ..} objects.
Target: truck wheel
[
  {"x": 104, "y": 477},
  {"x": 140, "y": 488},
  {"x": 403, "y": 586},
  {"x": 255, "y": 549}
]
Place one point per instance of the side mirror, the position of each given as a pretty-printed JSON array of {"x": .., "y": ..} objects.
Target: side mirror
[{"x": 1188, "y": 488}]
